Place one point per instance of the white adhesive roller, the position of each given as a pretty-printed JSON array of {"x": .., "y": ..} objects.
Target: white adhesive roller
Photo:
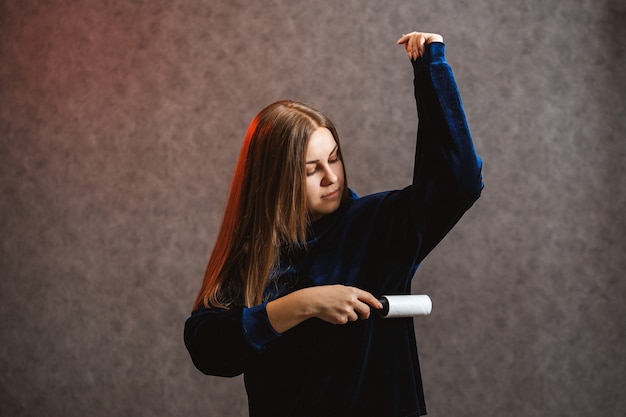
[{"x": 405, "y": 305}]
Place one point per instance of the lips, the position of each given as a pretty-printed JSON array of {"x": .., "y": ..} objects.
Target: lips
[{"x": 332, "y": 195}]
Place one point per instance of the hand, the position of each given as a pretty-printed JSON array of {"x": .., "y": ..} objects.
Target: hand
[
  {"x": 337, "y": 304},
  {"x": 415, "y": 43}
]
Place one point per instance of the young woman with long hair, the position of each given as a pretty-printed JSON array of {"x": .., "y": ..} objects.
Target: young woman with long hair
[{"x": 300, "y": 260}]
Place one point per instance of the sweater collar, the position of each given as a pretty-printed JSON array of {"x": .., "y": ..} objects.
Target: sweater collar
[{"x": 319, "y": 227}]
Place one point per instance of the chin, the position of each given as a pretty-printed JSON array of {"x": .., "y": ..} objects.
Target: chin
[{"x": 318, "y": 214}]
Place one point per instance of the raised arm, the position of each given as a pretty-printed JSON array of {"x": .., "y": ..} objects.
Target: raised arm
[{"x": 447, "y": 173}]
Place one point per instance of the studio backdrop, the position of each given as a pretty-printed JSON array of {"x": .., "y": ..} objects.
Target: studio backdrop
[{"x": 120, "y": 124}]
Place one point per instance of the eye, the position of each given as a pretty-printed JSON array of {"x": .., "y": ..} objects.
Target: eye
[{"x": 333, "y": 159}]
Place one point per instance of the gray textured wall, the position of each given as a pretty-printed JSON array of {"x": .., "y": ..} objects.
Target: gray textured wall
[{"x": 120, "y": 122}]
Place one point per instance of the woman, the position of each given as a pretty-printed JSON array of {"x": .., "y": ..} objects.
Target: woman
[{"x": 300, "y": 260}]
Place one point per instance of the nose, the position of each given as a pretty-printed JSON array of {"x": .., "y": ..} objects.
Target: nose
[{"x": 329, "y": 176}]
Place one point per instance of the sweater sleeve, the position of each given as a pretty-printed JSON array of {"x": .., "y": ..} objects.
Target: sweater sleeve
[
  {"x": 222, "y": 342},
  {"x": 447, "y": 174}
]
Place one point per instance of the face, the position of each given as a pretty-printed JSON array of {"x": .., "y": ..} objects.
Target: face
[{"x": 324, "y": 174}]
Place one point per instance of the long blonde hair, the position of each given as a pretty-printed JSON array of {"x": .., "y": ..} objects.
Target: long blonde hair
[{"x": 266, "y": 207}]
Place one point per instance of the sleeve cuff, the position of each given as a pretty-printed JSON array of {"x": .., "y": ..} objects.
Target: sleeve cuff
[
  {"x": 435, "y": 54},
  {"x": 257, "y": 329}
]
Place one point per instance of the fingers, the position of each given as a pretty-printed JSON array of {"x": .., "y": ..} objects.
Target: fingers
[
  {"x": 349, "y": 304},
  {"x": 415, "y": 43},
  {"x": 368, "y": 299},
  {"x": 360, "y": 307},
  {"x": 403, "y": 39}
]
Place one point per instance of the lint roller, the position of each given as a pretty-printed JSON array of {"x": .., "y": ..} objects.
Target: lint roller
[{"x": 405, "y": 306}]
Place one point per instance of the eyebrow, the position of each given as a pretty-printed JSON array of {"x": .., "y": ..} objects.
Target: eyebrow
[{"x": 317, "y": 160}]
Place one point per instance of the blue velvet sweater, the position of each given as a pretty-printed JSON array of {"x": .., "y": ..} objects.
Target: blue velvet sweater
[{"x": 368, "y": 367}]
